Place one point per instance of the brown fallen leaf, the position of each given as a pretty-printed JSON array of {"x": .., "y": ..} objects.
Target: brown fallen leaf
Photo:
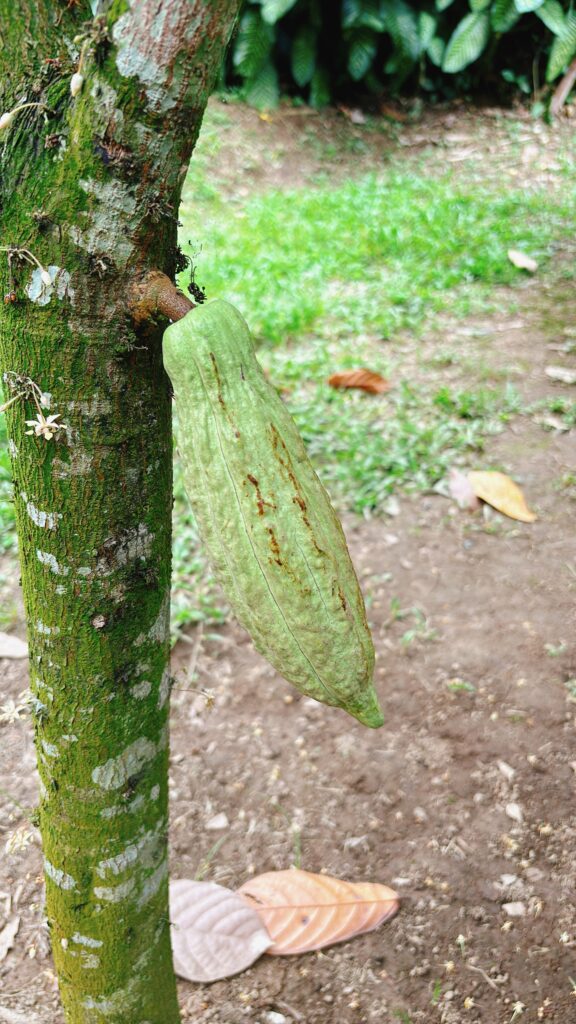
[
  {"x": 462, "y": 491},
  {"x": 522, "y": 261},
  {"x": 499, "y": 491},
  {"x": 214, "y": 932},
  {"x": 304, "y": 911},
  {"x": 393, "y": 113},
  {"x": 366, "y": 380}
]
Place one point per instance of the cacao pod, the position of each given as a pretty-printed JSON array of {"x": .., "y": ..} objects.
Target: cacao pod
[{"x": 272, "y": 535}]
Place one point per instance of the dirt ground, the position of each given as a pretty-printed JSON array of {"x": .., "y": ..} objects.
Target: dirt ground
[{"x": 463, "y": 802}]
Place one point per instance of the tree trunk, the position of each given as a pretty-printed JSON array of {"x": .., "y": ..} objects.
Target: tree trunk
[{"x": 90, "y": 187}]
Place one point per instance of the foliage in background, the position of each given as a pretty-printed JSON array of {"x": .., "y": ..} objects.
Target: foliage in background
[{"x": 322, "y": 50}]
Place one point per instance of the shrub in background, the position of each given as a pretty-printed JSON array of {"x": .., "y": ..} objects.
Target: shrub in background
[{"x": 323, "y": 50}]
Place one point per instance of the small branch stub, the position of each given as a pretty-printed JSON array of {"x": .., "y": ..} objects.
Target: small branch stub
[{"x": 155, "y": 295}]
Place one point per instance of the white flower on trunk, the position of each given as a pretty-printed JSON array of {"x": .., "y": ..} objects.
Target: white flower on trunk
[
  {"x": 45, "y": 426},
  {"x": 8, "y": 116}
]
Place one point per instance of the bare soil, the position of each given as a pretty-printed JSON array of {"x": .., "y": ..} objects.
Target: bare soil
[{"x": 464, "y": 801}]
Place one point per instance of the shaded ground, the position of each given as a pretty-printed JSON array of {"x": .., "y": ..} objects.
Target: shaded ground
[{"x": 464, "y": 801}]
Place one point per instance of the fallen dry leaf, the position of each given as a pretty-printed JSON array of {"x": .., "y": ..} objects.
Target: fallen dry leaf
[
  {"x": 214, "y": 932},
  {"x": 12, "y": 647},
  {"x": 354, "y": 114},
  {"x": 366, "y": 380},
  {"x": 552, "y": 422},
  {"x": 499, "y": 491},
  {"x": 387, "y": 110},
  {"x": 462, "y": 491},
  {"x": 522, "y": 261},
  {"x": 561, "y": 373},
  {"x": 303, "y": 911},
  {"x": 7, "y": 936}
]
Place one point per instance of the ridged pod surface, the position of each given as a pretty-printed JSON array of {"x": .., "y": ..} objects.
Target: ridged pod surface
[{"x": 272, "y": 535}]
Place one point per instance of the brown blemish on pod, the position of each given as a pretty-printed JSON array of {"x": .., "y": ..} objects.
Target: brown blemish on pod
[
  {"x": 259, "y": 499},
  {"x": 286, "y": 463},
  {"x": 274, "y": 545},
  {"x": 218, "y": 381}
]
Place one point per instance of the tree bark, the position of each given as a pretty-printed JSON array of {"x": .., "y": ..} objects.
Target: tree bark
[{"x": 90, "y": 186}]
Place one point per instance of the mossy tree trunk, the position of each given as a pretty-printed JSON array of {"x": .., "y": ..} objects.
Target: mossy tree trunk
[{"x": 90, "y": 185}]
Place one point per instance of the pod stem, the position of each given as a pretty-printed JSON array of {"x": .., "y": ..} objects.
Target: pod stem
[{"x": 155, "y": 295}]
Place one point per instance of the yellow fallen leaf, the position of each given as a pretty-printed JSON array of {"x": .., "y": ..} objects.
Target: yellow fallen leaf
[{"x": 502, "y": 493}]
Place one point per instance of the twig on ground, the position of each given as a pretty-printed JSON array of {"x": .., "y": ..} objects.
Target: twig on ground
[{"x": 486, "y": 977}]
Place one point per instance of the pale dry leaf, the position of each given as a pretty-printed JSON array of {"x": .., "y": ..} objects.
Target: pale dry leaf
[
  {"x": 354, "y": 114},
  {"x": 304, "y": 911},
  {"x": 514, "y": 811},
  {"x": 365, "y": 380},
  {"x": 552, "y": 422},
  {"x": 7, "y": 936},
  {"x": 515, "y": 909},
  {"x": 507, "y": 770},
  {"x": 499, "y": 491},
  {"x": 561, "y": 374},
  {"x": 217, "y": 823},
  {"x": 461, "y": 490},
  {"x": 522, "y": 261},
  {"x": 12, "y": 647},
  {"x": 214, "y": 933}
]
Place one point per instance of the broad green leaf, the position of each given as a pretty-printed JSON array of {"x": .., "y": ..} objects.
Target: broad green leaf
[
  {"x": 363, "y": 14},
  {"x": 563, "y": 49},
  {"x": 525, "y": 6},
  {"x": 552, "y": 14},
  {"x": 304, "y": 55},
  {"x": 436, "y": 51},
  {"x": 351, "y": 11},
  {"x": 480, "y": 5},
  {"x": 402, "y": 24},
  {"x": 467, "y": 42},
  {"x": 273, "y": 10},
  {"x": 504, "y": 15},
  {"x": 320, "y": 88},
  {"x": 441, "y": 5},
  {"x": 426, "y": 29},
  {"x": 361, "y": 54},
  {"x": 263, "y": 91},
  {"x": 253, "y": 45}
]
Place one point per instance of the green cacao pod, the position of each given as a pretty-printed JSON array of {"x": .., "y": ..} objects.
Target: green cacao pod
[{"x": 272, "y": 535}]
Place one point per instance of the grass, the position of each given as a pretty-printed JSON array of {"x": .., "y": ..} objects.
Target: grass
[
  {"x": 7, "y": 538},
  {"x": 195, "y": 596},
  {"x": 380, "y": 254},
  {"x": 361, "y": 273}
]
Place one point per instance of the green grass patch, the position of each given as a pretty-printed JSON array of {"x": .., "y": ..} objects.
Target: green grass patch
[
  {"x": 7, "y": 535},
  {"x": 383, "y": 253}
]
